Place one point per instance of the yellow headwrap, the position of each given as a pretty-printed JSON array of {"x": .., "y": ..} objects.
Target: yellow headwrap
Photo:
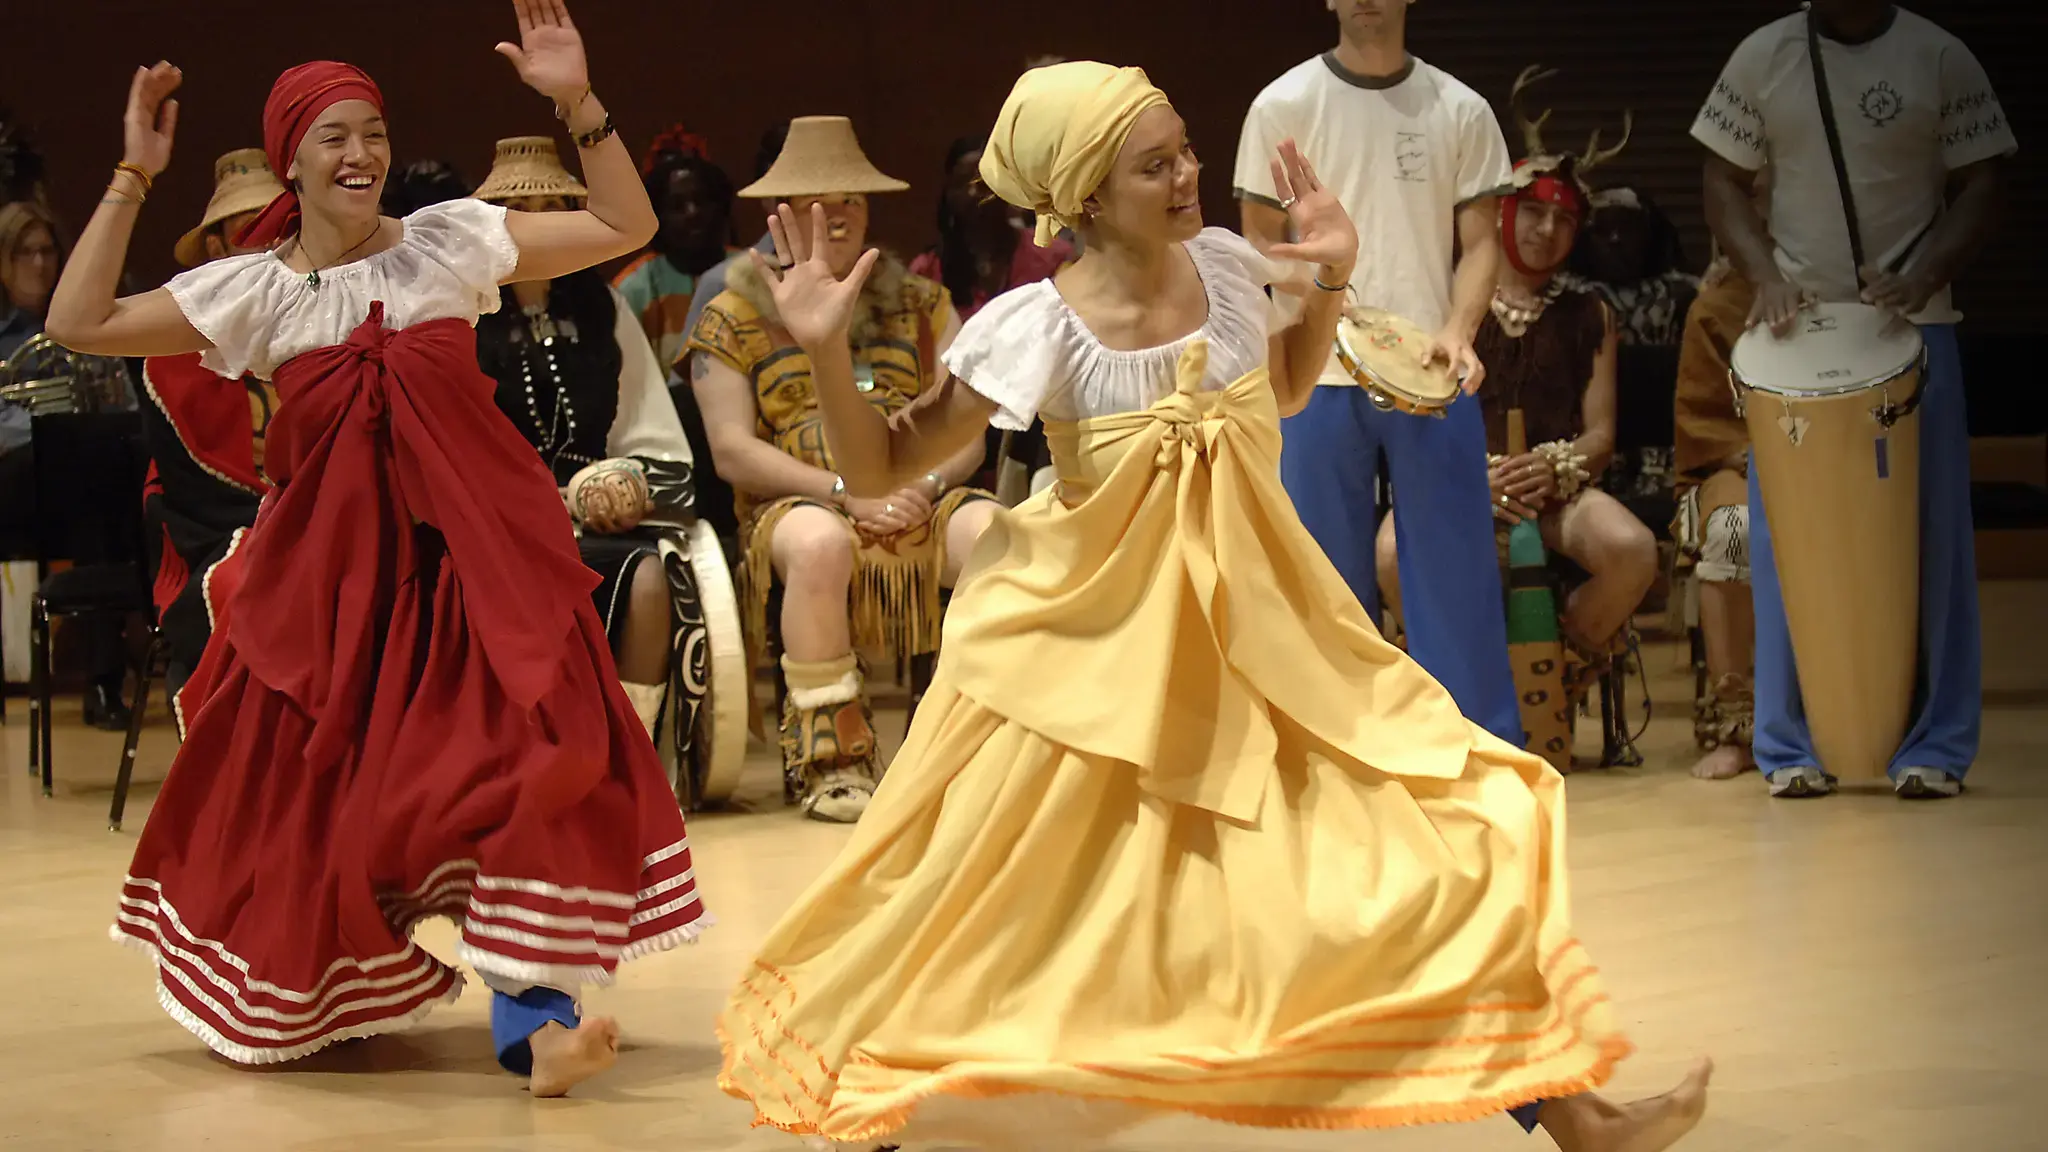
[{"x": 1058, "y": 136}]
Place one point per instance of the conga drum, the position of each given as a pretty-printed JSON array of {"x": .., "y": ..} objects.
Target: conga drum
[
  {"x": 1385, "y": 354},
  {"x": 1834, "y": 429}
]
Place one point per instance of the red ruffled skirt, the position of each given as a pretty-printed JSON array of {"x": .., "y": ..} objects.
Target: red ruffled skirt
[{"x": 408, "y": 709}]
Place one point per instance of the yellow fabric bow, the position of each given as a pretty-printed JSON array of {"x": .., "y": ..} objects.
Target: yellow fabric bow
[{"x": 1186, "y": 611}]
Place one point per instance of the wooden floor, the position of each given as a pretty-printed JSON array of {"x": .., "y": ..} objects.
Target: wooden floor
[{"x": 1870, "y": 975}]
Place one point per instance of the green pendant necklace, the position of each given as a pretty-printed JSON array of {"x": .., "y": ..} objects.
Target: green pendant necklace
[{"x": 313, "y": 277}]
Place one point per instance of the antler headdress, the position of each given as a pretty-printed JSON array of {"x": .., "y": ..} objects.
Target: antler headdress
[{"x": 1532, "y": 130}]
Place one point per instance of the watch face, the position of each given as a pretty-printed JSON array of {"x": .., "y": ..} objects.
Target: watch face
[{"x": 863, "y": 376}]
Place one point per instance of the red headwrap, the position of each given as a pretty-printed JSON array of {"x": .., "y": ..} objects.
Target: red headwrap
[
  {"x": 1558, "y": 185},
  {"x": 296, "y": 101},
  {"x": 677, "y": 141}
]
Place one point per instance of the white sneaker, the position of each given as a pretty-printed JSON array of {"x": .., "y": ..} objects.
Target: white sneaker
[
  {"x": 1925, "y": 784},
  {"x": 1800, "y": 782}
]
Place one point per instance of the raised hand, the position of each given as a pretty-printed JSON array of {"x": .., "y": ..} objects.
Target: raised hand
[
  {"x": 152, "y": 117},
  {"x": 1323, "y": 233},
  {"x": 816, "y": 305},
  {"x": 549, "y": 54}
]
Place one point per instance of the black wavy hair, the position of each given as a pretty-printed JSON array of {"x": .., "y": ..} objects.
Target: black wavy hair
[
  {"x": 1663, "y": 247},
  {"x": 670, "y": 164},
  {"x": 956, "y": 252},
  {"x": 421, "y": 183}
]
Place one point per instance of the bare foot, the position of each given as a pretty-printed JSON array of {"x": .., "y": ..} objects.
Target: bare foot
[
  {"x": 1724, "y": 763},
  {"x": 563, "y": 1059},
  {"x": 1590, "y": 1124}
]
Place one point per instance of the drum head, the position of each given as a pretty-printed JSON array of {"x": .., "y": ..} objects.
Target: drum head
[
  {"x": 1835, "y": 348},
  {"x": 1381, "y": 348}
]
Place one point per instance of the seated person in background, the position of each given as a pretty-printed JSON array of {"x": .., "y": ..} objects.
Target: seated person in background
[
  {"x": 693, "y": 197},
  {"x": 1549, "y": 351},
  {"x": 32, "y": 254},
  {"x": 205, "y": 439},
  {"x": 578, "y": 379},
  {"x": 1710, "y": 456},
  {"x": 712, "y": 281},
  {"x": 714, "y": 495},
  {"x": 1629, "y": 252},
  {"x": 984, "y": 250},
  {"x": 855, "y": 574},
  {"x": 421, "y": 183},
  {"x": 29, "y": 262}
]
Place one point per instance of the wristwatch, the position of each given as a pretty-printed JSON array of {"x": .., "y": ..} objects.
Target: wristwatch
[
  {"x": 937, "y": 482},
  {"x": 838, "y": 493}
]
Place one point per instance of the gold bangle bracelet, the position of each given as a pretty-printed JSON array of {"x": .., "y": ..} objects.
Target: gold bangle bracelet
[
  {"x": 563, "y": 114},
  {"x": 147, "y": 181}
]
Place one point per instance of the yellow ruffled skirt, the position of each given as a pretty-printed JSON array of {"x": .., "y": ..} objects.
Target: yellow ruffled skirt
[{"x": 1175, "y": 831}]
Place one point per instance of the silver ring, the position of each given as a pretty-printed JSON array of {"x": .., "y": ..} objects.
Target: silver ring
[
  {"x": 1290, "y": 202},
  {"x": 889, "y": 508},
  {"x": 1503, "y": 499}
]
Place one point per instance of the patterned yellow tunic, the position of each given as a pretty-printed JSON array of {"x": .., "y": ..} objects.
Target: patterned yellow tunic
[{"x": 895, "y": 597}]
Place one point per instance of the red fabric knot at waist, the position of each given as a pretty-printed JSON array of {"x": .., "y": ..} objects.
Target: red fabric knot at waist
[
  {"x": 382, "y": 434},
  {"x": 367, "y": 344},
  {"x": 370, "y": 337}
]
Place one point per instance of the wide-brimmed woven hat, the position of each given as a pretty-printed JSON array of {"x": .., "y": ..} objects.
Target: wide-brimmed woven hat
[
  {"x": 242, "y": 182},
  {"x": 529, "y": 166},
  {"x": 822, "y": 156}
]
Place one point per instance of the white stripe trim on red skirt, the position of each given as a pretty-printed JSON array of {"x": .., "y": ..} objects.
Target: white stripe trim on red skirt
[{"x": 527, "y": 931}]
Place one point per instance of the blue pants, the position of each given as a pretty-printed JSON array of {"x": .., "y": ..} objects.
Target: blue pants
[
  {"x": 1443, "y": 525},
  {"x": 514, "y": 1019},
  {"x": 1948, "y": 697}
]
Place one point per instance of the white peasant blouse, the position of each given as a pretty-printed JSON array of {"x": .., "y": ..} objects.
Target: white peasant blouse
[
  {"x": 1029, "y": 352},
  {"x": 258, "y": 313}
]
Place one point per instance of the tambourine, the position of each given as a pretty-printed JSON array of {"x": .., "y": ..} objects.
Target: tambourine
[{"x": 1385, "y": 354}]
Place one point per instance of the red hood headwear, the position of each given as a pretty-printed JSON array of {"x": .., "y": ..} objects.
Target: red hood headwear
[
  {"x": 1548, "y": 177},
  {"x": 296, "y": 101}
]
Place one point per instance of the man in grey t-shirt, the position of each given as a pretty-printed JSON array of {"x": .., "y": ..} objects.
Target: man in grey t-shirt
[{"x": 1923, "y": 140}]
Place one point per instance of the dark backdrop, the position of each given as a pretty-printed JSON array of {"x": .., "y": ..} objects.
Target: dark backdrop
[{"x": 913, "y": 74}]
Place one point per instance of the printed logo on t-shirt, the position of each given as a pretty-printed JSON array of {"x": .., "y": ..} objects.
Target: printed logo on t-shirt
[
  {"x": 1411, "y": 158},
  {"x": 1881, "y": 104},
  {"x": 1736, "y": 117},
  {"x": 1965, "y": 119}
]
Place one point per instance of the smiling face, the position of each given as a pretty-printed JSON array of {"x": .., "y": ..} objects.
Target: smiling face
[
  {"x": 846, "y": 226},
  {"x": 1152, "y": 194},
  {"x": 341, "y": 164}
]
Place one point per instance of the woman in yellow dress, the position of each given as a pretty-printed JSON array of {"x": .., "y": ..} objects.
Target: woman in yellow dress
[{"x": 1175, "y": 830}]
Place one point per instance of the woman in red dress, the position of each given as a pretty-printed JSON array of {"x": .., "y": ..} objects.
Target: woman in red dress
[{"x": 408, "y": 708}]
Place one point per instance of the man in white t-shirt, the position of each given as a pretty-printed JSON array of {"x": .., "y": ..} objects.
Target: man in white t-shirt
[
  {"x": 1418, "y": 160},
  {"x": 1923, "y": 139}
]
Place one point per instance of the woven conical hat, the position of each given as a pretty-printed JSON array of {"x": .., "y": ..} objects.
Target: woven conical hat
[
  {"x": 822, "y": 156},
  {"x": 242, "y": 182},
  {"x": 528, "y": 166}
]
